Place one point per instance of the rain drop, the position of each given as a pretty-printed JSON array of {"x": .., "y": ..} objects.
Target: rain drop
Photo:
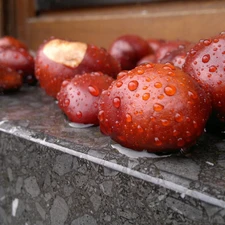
[
  {"x": 93, "y": 90},
  {"x": 157, "y": 141},
  {"x": 66, "y": 102},
  {"x": 79, "y": 114},
  {"x": 195, "y": 124},
  {"x": 145, "y": 96},
  {"x": 145, "y": 87},
  {"x": 178, "y": 117},
  {"x": 133, "y": 85},
  {"x": 192, "y": 95},
  {"x": 116, "y": 102},
  {"x": 140, "y": 129},
  {"x": 206, "y": 58},
  {"x": 207, "y": 42},
  {"x": 128, "y": 117},
  {"x": 212, "y": 69},
  {"x": 158, "y": 107},
  {"x": 149, "y": 65},
  {"x": 161, "y": 96},
  {"x": 165, "y": 122},
  {"x": 119, "y": 83},
  {"x": 170, "y": 90},
  {"x": 175, "y": 133},
  {"x": 65, "y": 83},
  {"x": 101, "y": 115},
  {"x": 140, "y": 71},
  {"x": 158, "y": 85},
  {"x": 180, "y": 142},
  {"x": 169, "y": 66}
]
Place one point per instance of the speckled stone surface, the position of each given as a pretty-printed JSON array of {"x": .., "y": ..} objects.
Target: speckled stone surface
[{"x": 51, "y": 173}]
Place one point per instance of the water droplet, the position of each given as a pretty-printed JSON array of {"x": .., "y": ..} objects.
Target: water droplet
[
  {"x": 175, "y": 133},
  {"x": 140, "y": 129},
  {"x": 207, "y": 42},
  {"x": 101, "y": 115},
  {"x": 147, "y": 79},
  {"x": 146, "y": 96},
  {"x": 161, "y": 96},
  {"x": 206, "y": 58},
  {"x": 178, "y": 117},
  {"x": 165, "y": 122},
  {"x": 149, "y": 65},
  {"x": 116, "y": 102},
  {"x": 192, "y": 95},
  {"x": 195, "y": 124},
  {"x": 145, "y": 87},
  {"x": 169, "y": 66},
  {"x": 133, "y": 85},
  {"x": 192, "y": 52},
  {"x": 140, "y": 71},
  {"x": 79, "y": 114},
  {"x": 119, "y": 83},
  {"x": 121, "y": 74},
  {"x": 66, "y": 102},
  {"x": 158, "y": 84},
  {"x": 212, "y": 69},
  {"x": 65, "y": 83},
  {"x": 93, "y": 90},
  {"x": 188, "y": 133},
  {"x": 157, "y": 141},
  {"x": 180, "y": 142},
  {"x": 170, "y": 90},
  {"x": 158, "y": 107},
  {"x": 117, "y": 123},
  {"x": 128, "y": 118},
  {"x": 171, "y": 73}
]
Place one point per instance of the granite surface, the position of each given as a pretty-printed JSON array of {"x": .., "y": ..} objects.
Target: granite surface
[{"x": 52, "y": 173}]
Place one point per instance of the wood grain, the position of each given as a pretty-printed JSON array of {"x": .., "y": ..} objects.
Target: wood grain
[{"x": 190, "y": 20}]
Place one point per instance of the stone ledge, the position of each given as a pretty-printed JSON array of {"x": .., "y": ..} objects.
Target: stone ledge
[{"x": 54, "y": 174}]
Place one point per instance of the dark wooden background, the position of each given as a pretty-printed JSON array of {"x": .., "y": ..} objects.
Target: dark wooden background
[{"x": 187, "y": 19}]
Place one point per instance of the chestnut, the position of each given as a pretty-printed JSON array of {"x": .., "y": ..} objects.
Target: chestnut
[
  {"x": 18, "y": 59},
  {"x": 59, "y": 59},
  {"x": 11, "y": 41},
  {"x": 129, "y": 49},
  {"x": 10, "y": 80}
]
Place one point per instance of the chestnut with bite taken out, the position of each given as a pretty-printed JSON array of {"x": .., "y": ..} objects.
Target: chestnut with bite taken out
[{"x": 58, "y": 60}]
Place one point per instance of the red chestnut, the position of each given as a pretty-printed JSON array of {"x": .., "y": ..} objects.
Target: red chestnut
[
  {"x": 169, "y": 46},
  {"x": 58, "y": 60},
  {"x": 78, "y": 97},
  {"x": 11, "y": 41},
  {"x": 155, "y": 43},
  {"x": 156, "y": 107},
  {"x": 18, "y": 59},
  {"x": 178, "y": 56},
  {"x": 151, "y": 58},
  {"x": 205, "y": 62},
  {"x": 10, "y": 80},
  {"x": 128, "y": 50}
]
